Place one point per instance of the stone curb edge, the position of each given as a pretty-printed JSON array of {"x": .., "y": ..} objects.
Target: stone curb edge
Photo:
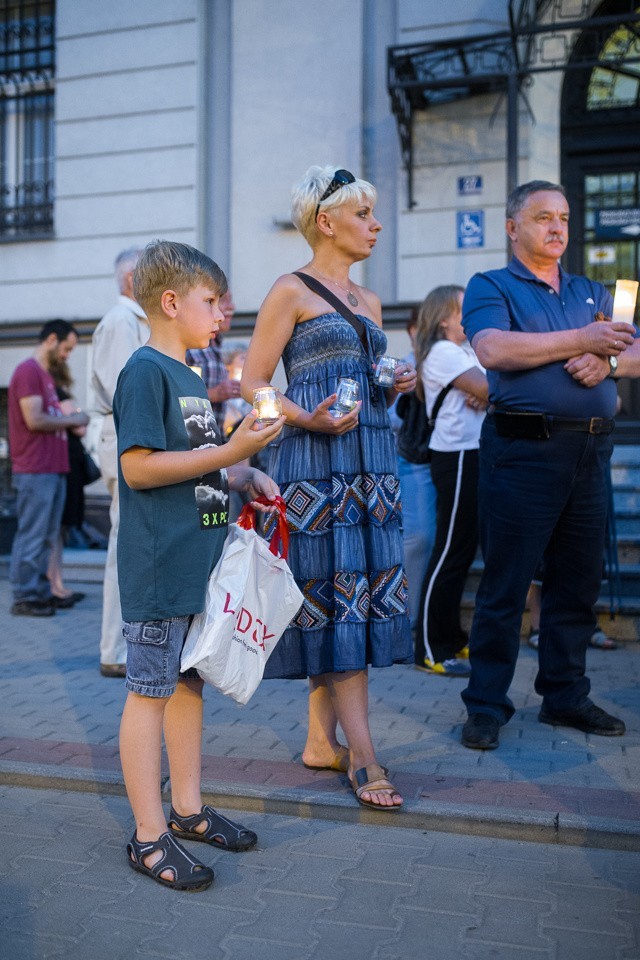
[{"x": 473, "y": 820}]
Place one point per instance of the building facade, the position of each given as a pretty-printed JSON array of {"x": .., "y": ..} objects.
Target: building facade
[{"x": 191, "y": 119}]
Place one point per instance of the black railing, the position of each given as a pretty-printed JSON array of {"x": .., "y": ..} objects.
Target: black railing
[
  {"x": 27, "y": 36},
  {"x": 26, "y": 210},
  {"x": 422, "y": 75}
]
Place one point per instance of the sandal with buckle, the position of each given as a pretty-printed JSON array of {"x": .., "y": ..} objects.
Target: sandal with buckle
[
  {"x": 219, "y": 831},
  {"x": 340, "y": 761},
  {"x": 372, "y": 779},
  {"x": 188, "y": 874}
]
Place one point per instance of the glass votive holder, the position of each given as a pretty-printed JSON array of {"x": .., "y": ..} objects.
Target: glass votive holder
[
  {"x": 267, "y": 402},
  {"x": 385, "y": 371},
  {"x": 348, "y": 392}
]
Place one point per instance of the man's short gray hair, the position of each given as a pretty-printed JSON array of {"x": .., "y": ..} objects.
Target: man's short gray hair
[
  {"x": 125, "y": 263},
  {"x": 518, "y": 197}
]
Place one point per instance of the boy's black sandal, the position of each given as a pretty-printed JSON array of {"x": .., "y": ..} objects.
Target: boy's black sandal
[
  {"x": 188, "y": 874},
  {"x": 219, "y": 831}
]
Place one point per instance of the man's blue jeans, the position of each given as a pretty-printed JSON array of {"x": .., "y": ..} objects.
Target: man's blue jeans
[
  {"x": 537, "y": 498},
  {"x": 40, "y": 503}
]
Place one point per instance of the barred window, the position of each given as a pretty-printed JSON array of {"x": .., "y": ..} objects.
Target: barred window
[{"x": 27, "y": 70}]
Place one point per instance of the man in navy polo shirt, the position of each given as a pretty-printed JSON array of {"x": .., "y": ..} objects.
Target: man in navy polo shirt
[{"x": 544, "y": 453}]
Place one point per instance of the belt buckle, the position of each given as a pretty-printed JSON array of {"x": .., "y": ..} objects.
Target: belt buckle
[{"x": 595, "y": 425}]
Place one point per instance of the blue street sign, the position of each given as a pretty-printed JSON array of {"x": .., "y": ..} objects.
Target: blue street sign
[
  {"x": 470, "y": 228},
  {"x": 469, "y": 186}
]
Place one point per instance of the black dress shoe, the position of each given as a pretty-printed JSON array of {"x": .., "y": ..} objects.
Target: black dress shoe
[
  {"x": 62, "y": 603},
  {"x": 589, "y": 719},
  {"x": 113, "y": 669},
  {"x": 65, "y": 602},
  {"x": 33, "y": 608},
  {"x": 480, "y": 732}
]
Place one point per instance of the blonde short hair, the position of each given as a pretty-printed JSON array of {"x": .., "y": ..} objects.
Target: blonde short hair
[
  {"x": 306, "y": 196},
  {"x": 167, "y": 265}
]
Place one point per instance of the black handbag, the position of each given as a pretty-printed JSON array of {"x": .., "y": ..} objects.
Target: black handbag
[
  {"x": 415, "y": 432},
  {"x": 90, "y": 470}
]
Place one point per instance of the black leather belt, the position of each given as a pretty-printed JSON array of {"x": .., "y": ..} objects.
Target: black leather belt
[
  {"x": 592, "y": 425},
  {"x": 520, "y": 424}
]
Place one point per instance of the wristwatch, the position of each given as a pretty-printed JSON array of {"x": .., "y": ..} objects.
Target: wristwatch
[{"x": 613, "y": 365}]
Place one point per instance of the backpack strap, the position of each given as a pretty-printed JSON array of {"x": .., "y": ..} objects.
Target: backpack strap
[{"x": 438, "y": 404}]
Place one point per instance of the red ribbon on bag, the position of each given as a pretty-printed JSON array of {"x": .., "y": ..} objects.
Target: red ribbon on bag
[{"x": 279, "y": 543}]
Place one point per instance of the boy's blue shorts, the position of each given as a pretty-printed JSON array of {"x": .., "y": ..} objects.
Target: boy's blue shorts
[{"x": 153, "y": 655}]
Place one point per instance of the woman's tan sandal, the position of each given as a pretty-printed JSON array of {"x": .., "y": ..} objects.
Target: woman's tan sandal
[
  {"x": 340, "y": 762},
  {"x": 372, "y": 779}
]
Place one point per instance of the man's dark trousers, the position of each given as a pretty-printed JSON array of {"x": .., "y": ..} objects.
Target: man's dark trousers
[{"x": 538, "y": 498}]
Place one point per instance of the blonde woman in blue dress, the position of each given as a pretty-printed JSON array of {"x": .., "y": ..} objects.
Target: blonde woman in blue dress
[{"x": 339, "y": 478}]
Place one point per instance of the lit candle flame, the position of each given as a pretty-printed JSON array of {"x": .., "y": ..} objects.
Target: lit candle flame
[{"x": 624, "y": 303}]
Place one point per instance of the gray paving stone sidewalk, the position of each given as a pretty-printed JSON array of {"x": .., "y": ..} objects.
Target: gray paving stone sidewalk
[
  {"x": 59, "y": 728},
  {"x": 312, "y": 889}
]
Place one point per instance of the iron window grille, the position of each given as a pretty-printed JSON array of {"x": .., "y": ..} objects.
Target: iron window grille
[{"x": 27, "y": 72}]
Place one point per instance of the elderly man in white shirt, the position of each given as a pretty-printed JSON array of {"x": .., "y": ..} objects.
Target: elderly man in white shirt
[{"x": 121, "y": 331}]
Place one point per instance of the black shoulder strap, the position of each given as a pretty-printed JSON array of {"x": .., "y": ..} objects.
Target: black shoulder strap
[
  {"x": 438, "y": 404},
  {"x": 343, "y": 309}
]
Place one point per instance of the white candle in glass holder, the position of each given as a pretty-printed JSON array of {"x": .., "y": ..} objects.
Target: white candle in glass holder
[
  {"x": 624, "y": 302},
  {"x": 267, "y": 402}
]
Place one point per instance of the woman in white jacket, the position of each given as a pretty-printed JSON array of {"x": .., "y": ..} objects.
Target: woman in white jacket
[{"x": 446, "y": 361}]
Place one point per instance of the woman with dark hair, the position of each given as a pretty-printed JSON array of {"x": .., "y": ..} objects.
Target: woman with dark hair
[
  {"x": 73, "y": 513},
  {"x": 338, "y": 476},
  {"x": 449, "y": 373}
]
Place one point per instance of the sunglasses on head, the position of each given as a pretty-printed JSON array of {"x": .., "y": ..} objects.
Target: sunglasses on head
[{"x": 340, "y": 179}]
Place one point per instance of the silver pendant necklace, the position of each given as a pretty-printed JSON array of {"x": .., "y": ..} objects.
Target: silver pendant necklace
[{"x": 351, "y": 297}]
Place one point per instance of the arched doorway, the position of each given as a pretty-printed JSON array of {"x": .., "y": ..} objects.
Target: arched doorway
[{"x": 601, "y": 171}]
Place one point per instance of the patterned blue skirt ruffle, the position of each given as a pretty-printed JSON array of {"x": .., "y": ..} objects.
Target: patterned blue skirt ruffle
[{"x": 344, "y": 513}]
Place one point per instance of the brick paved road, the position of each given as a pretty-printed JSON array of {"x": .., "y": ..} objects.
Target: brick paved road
[
  {"x": 313, "y": 889},
  {"x": 59, "y": 723},
  {"x": 334, "y": 881}
]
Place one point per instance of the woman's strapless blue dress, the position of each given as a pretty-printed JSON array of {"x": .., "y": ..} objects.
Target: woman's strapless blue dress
[{"x": 344, "y": 513}]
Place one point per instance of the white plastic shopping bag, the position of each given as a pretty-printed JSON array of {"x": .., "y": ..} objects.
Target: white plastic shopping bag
[{"x": 251, "y": 599}]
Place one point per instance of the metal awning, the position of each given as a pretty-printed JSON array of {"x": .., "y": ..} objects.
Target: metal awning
[{"x": 541, "y": 38}]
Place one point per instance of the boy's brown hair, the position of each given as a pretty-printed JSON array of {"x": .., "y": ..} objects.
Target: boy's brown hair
[{"x": 167, "y": 265}]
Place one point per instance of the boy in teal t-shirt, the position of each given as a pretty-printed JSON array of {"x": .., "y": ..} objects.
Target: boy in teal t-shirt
[{"x": 175, "y": 474}]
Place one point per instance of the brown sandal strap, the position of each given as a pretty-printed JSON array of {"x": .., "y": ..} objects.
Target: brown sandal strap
[{"x": 371, "y": 779}]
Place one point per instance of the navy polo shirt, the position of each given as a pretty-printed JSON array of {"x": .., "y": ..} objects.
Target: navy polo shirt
[{"x": 515, "y": 299}]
